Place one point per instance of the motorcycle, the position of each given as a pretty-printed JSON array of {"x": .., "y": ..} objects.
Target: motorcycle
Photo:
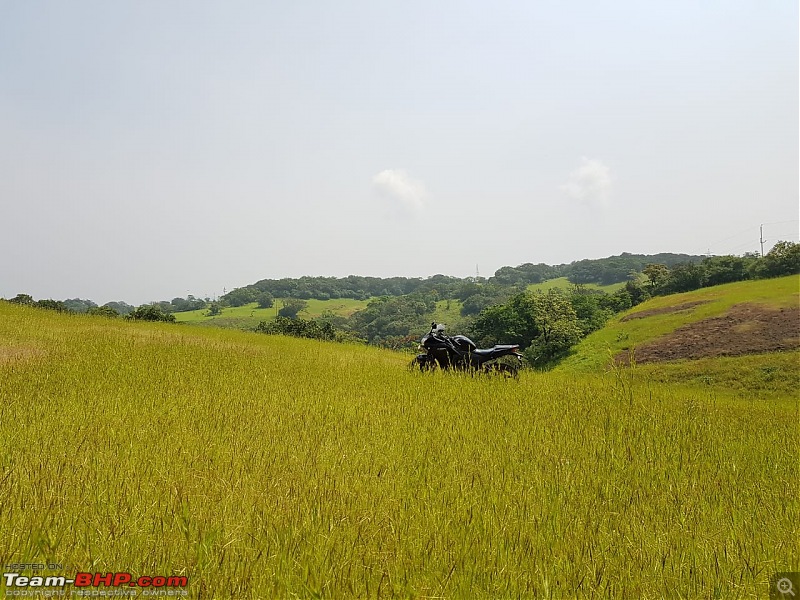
[{"x": 460, "y": 353}]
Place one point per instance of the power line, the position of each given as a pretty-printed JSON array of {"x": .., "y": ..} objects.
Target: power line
[
  {"x": 761, "y": 240},
  {"x": 740, "y": 246},
  {"x": 782, "y": 222},
  {"x": 738, "y": 233}
]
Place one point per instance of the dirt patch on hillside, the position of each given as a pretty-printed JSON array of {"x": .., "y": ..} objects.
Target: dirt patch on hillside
[
  {"x": 663, "y": 311},
  {"x": 744, "y": 329}
]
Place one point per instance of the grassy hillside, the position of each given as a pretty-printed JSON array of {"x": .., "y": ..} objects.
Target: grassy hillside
[
  {"x": 449, "y": 313},
  {"x": 248, "y": 316},
  {"x": 564, "y": 284},
  {"x": 767, "y": 372},
  {"x": 261, "y": 466}
]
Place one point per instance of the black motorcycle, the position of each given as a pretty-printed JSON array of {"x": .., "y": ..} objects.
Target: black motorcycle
[{"x": 460, "y": 353}]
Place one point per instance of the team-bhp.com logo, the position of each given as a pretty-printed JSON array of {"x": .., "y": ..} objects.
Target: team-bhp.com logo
[{"x": 124, "y": 584}]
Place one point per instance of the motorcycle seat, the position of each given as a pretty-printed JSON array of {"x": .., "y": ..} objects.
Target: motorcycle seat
[{"x": 487, "y": 351}]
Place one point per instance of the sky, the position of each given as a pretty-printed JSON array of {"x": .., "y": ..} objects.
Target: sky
[{"x": 151, "y": 149}]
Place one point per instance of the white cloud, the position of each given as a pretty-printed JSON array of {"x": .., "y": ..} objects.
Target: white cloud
[
  {"x": 590, "y": 183},
  {"x": 403, "y": 191}
]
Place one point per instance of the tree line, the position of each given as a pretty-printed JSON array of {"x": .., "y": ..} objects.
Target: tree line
[
  {"x": 146, "y": 312},
  {"x": 603, "y": 271},
  {"x": 613, "y": 269},
  {"x": 659, "y": 279}
]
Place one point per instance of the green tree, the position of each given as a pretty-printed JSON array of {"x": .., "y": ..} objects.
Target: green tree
[
  {"x": 683, "y": 278},
  {"x": 483, "y": 296},
  {"x": 467, "y": 289},
  {"x": 49, "y": 304},
  {"x": 150, "y": 312},
  {"x": 638, "y": 288},
  {"x": 240, "y": 296},
  {"x": 165, "y": 306},
  {"x": 214, "y": 309},
  {"x": 544, "y": 325},
  {"x": 618, "y": 301},
  {"x": 103, "y": 311},
  {"x": 23, "y": 299},
  {"x": 79, "y": 306},
  {"x": 290, "y": 307},
  {"x": 783, "y": 259},
  {"x": 589, "y": 309},
  {"x": 511, "y": 323},
  {"x": 725, "y": 269},
  {"x": 558, "y": 325},
  {"x": 337, "y": 321},
  {"x": 475, "y": 304},
  {"x": 657, "y": 275},
  {"x": 265, "y": 300},
  {"x": 387, "y": 319},
  {"x": 122, "y": 308},
  {"x": 187, "y": 304},
  {"x": 315, "y": 330}
]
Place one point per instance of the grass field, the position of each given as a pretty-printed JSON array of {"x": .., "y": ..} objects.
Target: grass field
[{"x": 268, "y": 467}]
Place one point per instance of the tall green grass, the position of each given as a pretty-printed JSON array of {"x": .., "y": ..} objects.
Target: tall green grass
[{"x": 266, "y": 467}]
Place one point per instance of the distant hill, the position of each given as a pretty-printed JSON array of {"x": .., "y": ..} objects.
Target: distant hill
[{"x": 602, "y": 271}]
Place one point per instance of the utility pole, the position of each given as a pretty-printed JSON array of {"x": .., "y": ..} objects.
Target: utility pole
[{"x": 761, "y": 238}]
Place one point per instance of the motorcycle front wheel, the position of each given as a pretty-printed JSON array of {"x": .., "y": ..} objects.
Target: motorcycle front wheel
[{"x": 423, "y": 362}]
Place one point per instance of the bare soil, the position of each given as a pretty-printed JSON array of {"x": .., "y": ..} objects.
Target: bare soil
[
  {"x": 663, "y": 311},
  {"x": 744, "y": 329}
]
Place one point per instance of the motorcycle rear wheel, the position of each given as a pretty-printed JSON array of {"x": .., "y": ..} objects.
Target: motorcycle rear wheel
[{"x": 501, "y": 370}]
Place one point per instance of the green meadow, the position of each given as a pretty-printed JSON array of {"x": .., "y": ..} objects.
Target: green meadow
[
  {"x": 563, "y": 283},
  {"x": 449, "y": 313},
  {"x": 267, "y": 467},
  {"x": 249, "y": 316}
]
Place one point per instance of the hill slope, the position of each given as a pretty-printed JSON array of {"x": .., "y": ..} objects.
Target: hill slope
[
  {"x": 250, "y": 315},
  {"x": 743, "y": 335},
  {"x": 564, "y": 284}
]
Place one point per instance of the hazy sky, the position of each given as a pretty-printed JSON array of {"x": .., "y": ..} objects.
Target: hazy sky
[{"x": 153, "y": 149}]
